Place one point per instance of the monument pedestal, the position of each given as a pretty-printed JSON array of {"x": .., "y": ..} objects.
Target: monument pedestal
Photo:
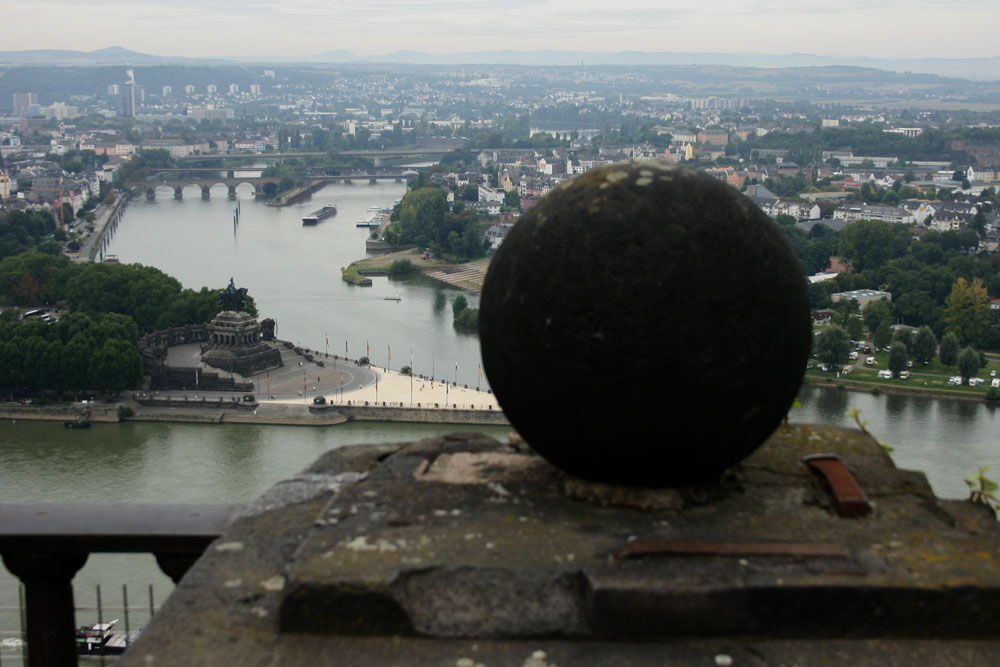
[{"x": 237, "y": 346}]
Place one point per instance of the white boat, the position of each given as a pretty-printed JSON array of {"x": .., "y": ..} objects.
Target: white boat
[{"x": 393, "y": 298}]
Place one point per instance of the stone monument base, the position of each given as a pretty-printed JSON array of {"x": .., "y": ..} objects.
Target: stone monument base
[{"x": 237, "y": 346}]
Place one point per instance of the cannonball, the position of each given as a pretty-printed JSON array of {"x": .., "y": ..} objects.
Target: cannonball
[{"x": 645, "y": 324}]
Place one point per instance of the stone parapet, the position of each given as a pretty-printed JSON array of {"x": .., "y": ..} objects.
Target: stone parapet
[
  {"x": 428, "y": 415},
  {"x": 462, "y": 547}
]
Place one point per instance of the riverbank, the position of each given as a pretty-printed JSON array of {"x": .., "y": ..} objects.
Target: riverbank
[
  {"x": 468, "y": 276},
  {"x": 372, "y": 394},
  {"x": 883, "y": 387}
]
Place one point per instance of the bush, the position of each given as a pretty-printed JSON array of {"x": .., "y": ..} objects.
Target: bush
[
  {"x": 402, "y": 267},
  {"x": 993, "y": 394},
  {"x": 468, "y": 319},
  {"x": 460, "y": 304}
]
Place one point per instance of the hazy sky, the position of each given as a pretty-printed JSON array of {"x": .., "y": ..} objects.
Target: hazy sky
[{"x": 888, "y": 28}]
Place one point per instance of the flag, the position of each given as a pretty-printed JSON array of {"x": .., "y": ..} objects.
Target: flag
[
  {"x": 269, "y": 383},
  {"x": 368, "y": 350},
  {"x": 328, "y": 339},
  {"x": 480, "y": 372},
  {"x": 345, "y": 347},
  {"x": 196, "y": 376},
  {"x": 390, "y": 352}
]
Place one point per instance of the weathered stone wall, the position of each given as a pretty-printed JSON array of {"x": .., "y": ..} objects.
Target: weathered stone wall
[
  {"x": 184, "y": 378},
  {"x": 102, "y": 413},
  {"x": 220, "y": 403},
  {"x": 430, "y": 552},
  {"x": 429, "y": 414}
]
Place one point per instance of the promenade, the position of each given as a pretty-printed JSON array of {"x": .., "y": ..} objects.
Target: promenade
[{"x": 286, "y": 395}]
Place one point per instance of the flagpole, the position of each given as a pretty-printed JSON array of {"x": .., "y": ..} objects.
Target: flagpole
[{"x": 411, "y": 377}]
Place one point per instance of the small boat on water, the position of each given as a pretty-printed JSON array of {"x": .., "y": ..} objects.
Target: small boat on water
[
  {"x": 316, "y": 216},
  {"x": 92, "y": 639},
  {"x": 81, "y": 422},
  {"x": 101, "y": 639},
  {"x": 395, "y": 297}
]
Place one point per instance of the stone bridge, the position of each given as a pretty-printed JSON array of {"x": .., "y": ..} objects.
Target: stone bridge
[
  {"x": 206, "y": 184},
  {"x": 260, "y": 182}
]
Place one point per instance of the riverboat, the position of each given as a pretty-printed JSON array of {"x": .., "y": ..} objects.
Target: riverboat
[
  {"x": 101, "y": 639},
  {"x": 92, "y": 640},
  {"x": 322, "y": 213},
  {"x": 375, "y": 219},
  {"x": 393, "y": 298}
]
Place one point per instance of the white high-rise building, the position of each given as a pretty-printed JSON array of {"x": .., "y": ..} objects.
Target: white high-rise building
[{"x": 22, "y": 101}]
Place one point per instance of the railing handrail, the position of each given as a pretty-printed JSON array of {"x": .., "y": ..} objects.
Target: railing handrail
[
  {"x": 81, "y": 528},
  {"x": 45, "y": 544}
]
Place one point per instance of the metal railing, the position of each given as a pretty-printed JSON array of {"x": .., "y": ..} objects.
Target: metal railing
[{"x": 44, "y": 545}]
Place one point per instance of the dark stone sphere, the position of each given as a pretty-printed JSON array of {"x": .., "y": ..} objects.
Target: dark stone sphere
[{"x": 645, "y": 324}]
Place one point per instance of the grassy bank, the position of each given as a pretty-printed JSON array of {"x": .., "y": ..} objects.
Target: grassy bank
[{"x": 921, "y": 382}]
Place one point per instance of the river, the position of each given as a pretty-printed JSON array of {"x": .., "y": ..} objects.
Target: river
[{"x": 293, "y": 273}]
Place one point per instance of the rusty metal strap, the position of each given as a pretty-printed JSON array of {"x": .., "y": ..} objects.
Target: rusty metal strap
[
  {"x": 848, "y": 495},
  {"x": 693, "y": 548}
]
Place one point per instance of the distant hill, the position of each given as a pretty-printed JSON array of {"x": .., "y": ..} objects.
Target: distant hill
[
  {"x": 976, "y": 69},
  {"x": 112, "y": 55}
]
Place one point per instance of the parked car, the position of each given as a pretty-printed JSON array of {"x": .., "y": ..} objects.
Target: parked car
[
  {"x": 976, "y": 382},
  {"x": 852, "y": 356},
  {"x": 870, "y": 361},
  {"x": 904, "y": 375},
  {"x": 955, "y": 380},
  {"x": 885, "y": 374}
]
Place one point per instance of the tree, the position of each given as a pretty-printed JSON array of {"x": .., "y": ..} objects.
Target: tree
[
  {"x": 866, "y": 244},
  {"x": 898, "y": 358},
  {"x": 882, "y": 336},
  {"x": 875, "y": 312},
  {"x": 116, "y": 366},
  {"x": 512, "y": 199},
  {"x": 924, "y": 344},
  {"x": 903, "y": 335},
  {"x": 855, "y": 327},
  {"x": 949, "y": 349},
  {"x": 967, "y": 310},
  {"x": 833, "y": 346},
  {"x": 968, "y": 363},
  {"x": 459, "y": 304}
]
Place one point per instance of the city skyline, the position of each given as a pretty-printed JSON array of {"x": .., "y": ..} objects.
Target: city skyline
[{"x": 304, "y": 28}]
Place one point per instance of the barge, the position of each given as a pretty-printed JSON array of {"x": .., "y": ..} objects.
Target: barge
[{"x": 322, "y": 213}]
